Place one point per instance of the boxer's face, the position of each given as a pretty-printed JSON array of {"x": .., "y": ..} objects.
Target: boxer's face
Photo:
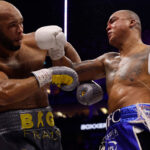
[
  {"x": 118, "y": 26},
  {"x": 11, "y": 30}
]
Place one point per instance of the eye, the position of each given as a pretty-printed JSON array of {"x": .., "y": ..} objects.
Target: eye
[
  {"x": 113, "y": 20},
  {"x": 12, "y": 25}
]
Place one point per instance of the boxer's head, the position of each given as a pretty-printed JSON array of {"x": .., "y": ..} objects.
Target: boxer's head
[
  {"x": 11, "y": 27},
  {"x": 121, "y": 25}
]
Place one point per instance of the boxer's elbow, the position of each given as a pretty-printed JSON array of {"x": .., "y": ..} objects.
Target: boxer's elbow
[
  {"x": 7, "y": 97},
  {"x": 8, "y": 94}
]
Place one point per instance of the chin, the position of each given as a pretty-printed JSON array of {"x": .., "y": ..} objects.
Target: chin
[
  {"x": 112, "y": 42},
  {"x": 14, "y": 47}
]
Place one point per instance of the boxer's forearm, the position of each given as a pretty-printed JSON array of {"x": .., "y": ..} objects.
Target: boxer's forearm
[
  {"x": 89, "y": 70},
  {"x": 70, "y": 56},
  {"x": 71, "y": 53},
  {"x": 14, "y": 90},
  {"x": 64, "y": 61}
]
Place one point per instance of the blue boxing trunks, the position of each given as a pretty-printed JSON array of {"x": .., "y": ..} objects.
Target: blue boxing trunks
[
  {"x": 32, "y": 129},
  {"x": 128, "y": 128}
]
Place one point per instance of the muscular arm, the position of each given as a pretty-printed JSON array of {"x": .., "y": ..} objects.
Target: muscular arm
[
  {"x": 87, "y": 70},
  {"x": 14, "y": 90},
  {"x": 90, "y": 69},
  {"x": 71, "y": 55}
]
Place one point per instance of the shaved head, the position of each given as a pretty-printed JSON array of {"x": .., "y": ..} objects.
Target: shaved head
[
  {"x": 7, "y": 9},
  {"x": 10, "y": 20},
  {"x": 131, "y": 15},
  {"x": 4, "y": 6}
]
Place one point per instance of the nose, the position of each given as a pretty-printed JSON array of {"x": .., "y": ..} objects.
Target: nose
[
  {"x": 20, "y": 28},
  {"x": 108, "y": 27}
]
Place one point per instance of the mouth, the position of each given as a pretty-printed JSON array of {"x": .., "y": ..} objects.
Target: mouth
[
  {"x": 19, "y": 39},
  {"x": 109, "y": 34}
]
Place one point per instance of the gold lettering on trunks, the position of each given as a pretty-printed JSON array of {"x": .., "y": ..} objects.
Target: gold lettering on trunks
[
  {"x": 26, "y": 121},
  {"x": 40, "y": 121},
  {"x": 50, "y": 119}
]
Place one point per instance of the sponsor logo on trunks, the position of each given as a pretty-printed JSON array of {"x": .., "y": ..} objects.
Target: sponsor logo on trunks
[
  {"x": 112, "y": 145},
  {"x": 111, "y": 135},
  {"x": 28, "y": 123},
  {"x": 113, "y": 117},
  {"x": 42, "y": 134}
]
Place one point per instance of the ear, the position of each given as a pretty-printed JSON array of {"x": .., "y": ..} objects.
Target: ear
[{"x": 132, "y": 23}]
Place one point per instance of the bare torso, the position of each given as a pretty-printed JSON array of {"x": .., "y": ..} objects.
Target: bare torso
[
  {"x": 128, "y": 81},
  {"x": 29, "y": 58}
]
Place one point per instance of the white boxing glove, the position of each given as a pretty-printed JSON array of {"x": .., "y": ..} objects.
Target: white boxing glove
[
  {"x": 89, "y": 93},
  {"x": 51, "y": 38},
  {"x": 64, "y": 77}
]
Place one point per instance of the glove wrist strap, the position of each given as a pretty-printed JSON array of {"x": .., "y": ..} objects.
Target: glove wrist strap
[{"x": 43, "y": 76}]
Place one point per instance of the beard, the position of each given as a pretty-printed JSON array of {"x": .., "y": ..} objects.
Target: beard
[{"x": 7, "y": 43}]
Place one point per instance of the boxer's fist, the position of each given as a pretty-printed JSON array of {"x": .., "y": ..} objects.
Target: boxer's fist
[
  {"x": 58, "y": 52},
  {"x": 89, "y": 93},
  {"x": 51, "y": 38},
  {"x": 64, "y": 77}
]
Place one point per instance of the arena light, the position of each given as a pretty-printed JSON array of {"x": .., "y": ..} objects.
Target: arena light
[
  {"x": 60, "y": 114},
  {"x": 65, "y": 17},
  {"x": 104, "y": 110},
  {"x": 48, "y": 91}
]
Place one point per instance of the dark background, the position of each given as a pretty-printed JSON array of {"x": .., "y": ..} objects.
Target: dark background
[{"x": 87, "y": 21}]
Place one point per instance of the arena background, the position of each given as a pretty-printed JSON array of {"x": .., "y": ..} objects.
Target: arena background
[{"x": 82, "y": 127}]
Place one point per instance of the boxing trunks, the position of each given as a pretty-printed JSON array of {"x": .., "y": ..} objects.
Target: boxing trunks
[
  {"x": 128, "y": 128},
  {"x": 32, "y": 129}
]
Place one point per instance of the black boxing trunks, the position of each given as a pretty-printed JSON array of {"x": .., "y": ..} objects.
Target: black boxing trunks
[
  {"x": 128, "y": 128},
  {"x": 32, "y": 129}
]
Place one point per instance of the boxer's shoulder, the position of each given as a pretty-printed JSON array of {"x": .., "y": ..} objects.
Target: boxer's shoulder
[
  {"x": 112, "y": 55},
  {"x": 29, "y": 46},
  {"x": 108, "y": 57},
  {"x": 29, "y": 40}
]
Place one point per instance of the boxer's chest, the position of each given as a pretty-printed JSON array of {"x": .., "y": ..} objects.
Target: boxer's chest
[
  {"x": 22, "y": 65},
  {"x": 128, "y": 69}
]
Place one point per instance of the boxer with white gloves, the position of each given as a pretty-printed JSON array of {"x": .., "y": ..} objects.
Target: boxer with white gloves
[
  {"x": 89, "y": 93},
  {"x": 51, "y": 38},
  {"x": 24, "y": 102},
  {"x": 63, "y": 77}
]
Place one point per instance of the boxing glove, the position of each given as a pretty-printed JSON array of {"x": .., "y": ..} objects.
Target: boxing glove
[
  {"x": 64, "y": 77},
  {"x": 89, "y": 93},
  {"x": 51, "y": 38}
]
